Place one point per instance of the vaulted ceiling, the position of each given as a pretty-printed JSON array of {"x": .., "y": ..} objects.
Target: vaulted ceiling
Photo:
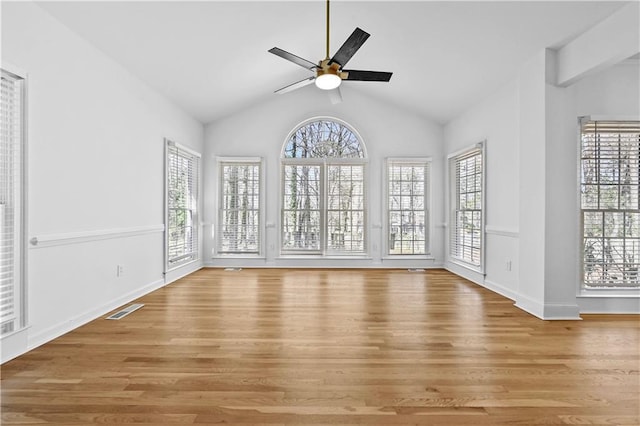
[{"x": 210, "y": 57}]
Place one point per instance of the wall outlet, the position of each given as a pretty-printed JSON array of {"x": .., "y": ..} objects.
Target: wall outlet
[
  {"x": 508, "y": 265},
  {"x": 119, "y": 271}
]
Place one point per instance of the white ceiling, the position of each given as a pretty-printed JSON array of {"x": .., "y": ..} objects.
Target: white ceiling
[{"x": 210, "y": 58}]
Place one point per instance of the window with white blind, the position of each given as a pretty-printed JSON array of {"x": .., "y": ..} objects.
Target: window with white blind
[
  {"x": 466, "y": 215},
  {"x": 407, "y": 212},
  {"x": 610, "y": 203},
  {"x": 239, "y": 218},
  {"x": 323, "y": 190},
  {"x": 11, "y": 204},
  {"x": 182, "y": 174}
]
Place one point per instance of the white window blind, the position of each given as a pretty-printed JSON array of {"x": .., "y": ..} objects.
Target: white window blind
[
  {"x": 610, "y": 203},
  {"x": 302, "y": 210},
  {"x": 323, "y": 190},
  {"x": 345, "y": 208},
  {"x": 407, "y": 206},
  {"x": 239, "y": 228},
  {"x": 182, "y": 205},
  {"x": 11, "y": 229},
  {"x": 466, "y": 240}
]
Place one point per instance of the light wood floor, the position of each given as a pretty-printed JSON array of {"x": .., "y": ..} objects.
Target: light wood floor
[{"x": 340, "y": 347}]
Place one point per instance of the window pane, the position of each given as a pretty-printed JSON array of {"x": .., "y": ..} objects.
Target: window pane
[
  {"x": 301, "y": 210},
  {"x": 406, "y": 208},
  {"x": 182, "y": 202},
  {"x": 610, "y": 170},
  {"x": 345, "y": 208},
  {"x": 239, "y": 225},
  {"x": 466, "y": 231},
  {"x": 323, "y": 139}
]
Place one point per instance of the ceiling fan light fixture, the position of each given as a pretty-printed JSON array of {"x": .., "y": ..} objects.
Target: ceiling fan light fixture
[{"x": 328, "y": 81}]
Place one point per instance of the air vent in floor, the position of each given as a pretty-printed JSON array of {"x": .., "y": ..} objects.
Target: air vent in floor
[{"x": 126, "y": 311}]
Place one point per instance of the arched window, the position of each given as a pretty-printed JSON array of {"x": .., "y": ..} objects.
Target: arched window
[{"x": 323, "y": 189}]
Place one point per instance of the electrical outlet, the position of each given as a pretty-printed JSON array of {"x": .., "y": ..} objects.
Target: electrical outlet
[
  {"x": 119, "y": 271},
  {"x": 508, "y": 265}
]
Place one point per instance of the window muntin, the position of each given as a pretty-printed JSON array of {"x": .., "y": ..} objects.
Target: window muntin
[
  {"x": 407, "y": 182},
  {"x": 323, "y": 194},
  {"x": 345, "y": 208},
  {"x": 11, "y": 203},
  {"x": 466, "y": 240},
  {"x": 182, "y": 205},
  {"x": 302, "y": 212},
  {"x": 323, "y": 138},
  {"x": 609, "y": 198},
  {"x": 239, "y": 229}
]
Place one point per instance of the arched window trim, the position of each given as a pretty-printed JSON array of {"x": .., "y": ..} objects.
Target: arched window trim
[
  {"x": 363, "y": 147},
  {"x": 327, "y": 237}
]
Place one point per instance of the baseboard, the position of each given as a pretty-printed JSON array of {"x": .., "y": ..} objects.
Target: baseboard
[
  {"x": 500, "y": 289},
  {"x": 58, "y": 330},
  {"x": 548, "y": 311},
  {"x": 609, "y": 305}
]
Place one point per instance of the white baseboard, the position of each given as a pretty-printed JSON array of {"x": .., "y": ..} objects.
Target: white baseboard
[
  {"x": 58, "y": 330},
  {"x": 548, "y": 311},
  {"x": 500, "y": 289}
]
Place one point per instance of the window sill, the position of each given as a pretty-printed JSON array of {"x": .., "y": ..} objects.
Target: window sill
[
  {"x": 238, "y": 256},
  {"x": 408, "y": 257},
  {"x": 321, "y": 257},
  {"x": 610, "y": 292}
]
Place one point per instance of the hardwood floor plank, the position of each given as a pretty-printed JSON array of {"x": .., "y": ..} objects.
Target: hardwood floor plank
[{"x": 330, "y": 347}]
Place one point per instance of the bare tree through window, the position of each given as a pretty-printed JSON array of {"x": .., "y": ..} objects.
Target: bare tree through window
[
  {"x": 323, "y": 204},
  {"x": 609, "y": 186}
]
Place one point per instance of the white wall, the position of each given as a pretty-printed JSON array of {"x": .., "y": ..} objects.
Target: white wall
[
  {"x": 95, "y": 176},
  {"x": 386, "y": 130},
  {"x": 495, "y": 120},
  {"x": 532, "y": 190},
  {"x": 613, "y": 93}
]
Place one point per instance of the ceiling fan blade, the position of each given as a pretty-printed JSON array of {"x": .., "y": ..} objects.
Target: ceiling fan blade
[
  {"x": 296, "y": 85},
  {"x": 335, "y": 96},
  {"x": 293, "y": 58},
  {"x": 358, "y": 75},
  {"x": 350, "y": 47}
]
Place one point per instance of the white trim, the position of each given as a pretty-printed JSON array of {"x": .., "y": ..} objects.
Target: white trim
[
  {"x": 241, "y": 160},
  {"x": 170, "y": 142},
  {"x": 427, "y": 163},
  {"x": 548, "y": 311},
  {"x": 52, "y": 240},
  {"x": 219, "y": 194},
  {"x": 500, "y": 289},
  {"x": 503, "y": 232},
  {"x": 65, "y": 326},
  {"x": 450, "y": 206}
]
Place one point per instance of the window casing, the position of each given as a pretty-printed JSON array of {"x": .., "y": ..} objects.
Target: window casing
[
  {"x": 182, "y": 195},
  {"x": 323, "y": 190},
  {"x": 240, "y": 214},
  {"x": 610, "y": 204},
  {"x": 12, "y": 204},
  {"x": 407, "y": 208},
  {"x": 466, "y": 242}
]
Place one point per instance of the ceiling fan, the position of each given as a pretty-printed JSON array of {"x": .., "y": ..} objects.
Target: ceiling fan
[{"x": 329, "y": 72}]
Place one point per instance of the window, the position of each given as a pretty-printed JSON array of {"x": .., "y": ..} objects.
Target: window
[
  {"x": 323, "y": 194},
  {"x": 182, "y": 205},
  {"x": 467, "y": 222},
  {"x": 407, "y": 215},
  {"x": 239, "y": 216},
  {"x": 609, "y": 192},
  {"x": 12, "y": 204}
]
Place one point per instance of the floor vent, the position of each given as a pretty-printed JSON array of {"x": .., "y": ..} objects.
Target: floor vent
[
  {"x": 233, "y": 269},
  {"x": 126, "y": 311},
  {"x": 415, "y": 270}
]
